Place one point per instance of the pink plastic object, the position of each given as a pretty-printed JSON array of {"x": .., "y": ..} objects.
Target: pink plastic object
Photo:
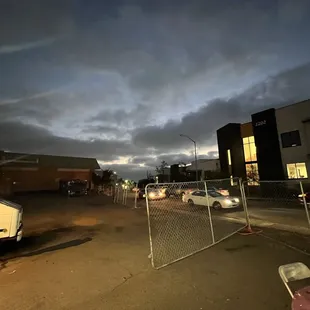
[{"x": 301, "y": 300}]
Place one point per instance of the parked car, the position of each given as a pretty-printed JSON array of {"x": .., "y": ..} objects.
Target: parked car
[
  {"x": 141, "y": 193},
  {"x": 215, "y": 200},
  {"x": 73, "y": 187},
  {"x": 163, "y": 188},
  {"x": 155, "y": 194},
  {"x": 307, "y": 198},
  {"x": 222, "y": 191}
]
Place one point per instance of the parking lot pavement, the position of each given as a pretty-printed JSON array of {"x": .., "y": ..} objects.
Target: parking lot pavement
[{"x": 103, "y": 264}]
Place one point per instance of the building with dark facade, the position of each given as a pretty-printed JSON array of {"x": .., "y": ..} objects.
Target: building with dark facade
[
  {"x": 275, "y": 145},
  {"x": 34, "y": 172}
]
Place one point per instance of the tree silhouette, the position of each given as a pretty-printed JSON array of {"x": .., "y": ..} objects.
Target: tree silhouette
[
  {"x": 104, "y": 179},
  {"x": 161, "y": 168}
]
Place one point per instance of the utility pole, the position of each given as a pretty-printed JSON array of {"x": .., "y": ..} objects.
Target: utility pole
[{"x": 195, "y": 151}]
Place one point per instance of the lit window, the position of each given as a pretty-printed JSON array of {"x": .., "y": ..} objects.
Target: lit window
[
  {"x": 229, "y": 157},
  {"x": 297, "y": 171},
  {"x": 246, "y": 140},
  {"x": 249, "y": 149},
  {"x": 247, "y": 152},
  {"x": 252, "y": 174}
]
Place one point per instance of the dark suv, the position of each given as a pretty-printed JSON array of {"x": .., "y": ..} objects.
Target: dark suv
[{"x": 179, "y": 190}]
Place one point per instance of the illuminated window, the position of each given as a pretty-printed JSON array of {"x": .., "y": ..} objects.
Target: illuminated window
[
  {"x": 229, "y": 157},
  {"x": 297, "y": 171},
  {"x": 252, "y": 174},
  {"x": 249, "y": 149}
]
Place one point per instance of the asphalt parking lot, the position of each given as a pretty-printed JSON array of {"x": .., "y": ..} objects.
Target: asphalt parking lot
[{"x": 87, "y": 253}]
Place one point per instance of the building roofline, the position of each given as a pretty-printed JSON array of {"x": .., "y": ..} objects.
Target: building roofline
[
  {"x": 229, "y": 124},
  {"x": 49, "y": 155},
  {"x": 246, "y": 123},
  {"x": 295, "y": 103}
]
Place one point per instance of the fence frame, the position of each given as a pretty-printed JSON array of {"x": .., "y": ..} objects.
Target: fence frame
[
  {"x": 305, "y": 202},
  {"x": 243, "y": 199},
  {"x": 298, "y": 183}
]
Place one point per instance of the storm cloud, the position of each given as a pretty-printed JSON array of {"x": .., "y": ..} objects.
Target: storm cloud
[
  {"x": 285, "y": 88},
  {"x": 121, "y": 80}
]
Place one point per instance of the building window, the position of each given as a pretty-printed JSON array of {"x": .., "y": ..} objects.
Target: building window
[
  {"x": 249, "y": 149},
  {"x": 297, "y": 171},
  {"x": 229, "y": 162},
  {"x": 252, "y": 174},
  {"x": 229, "y": 157},
  {"x": 290, "y": 139},
  {"x": 250, "y": 159}
]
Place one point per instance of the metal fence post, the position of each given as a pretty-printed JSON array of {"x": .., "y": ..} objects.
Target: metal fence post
[
  {"x": 151, "y": 255},
  {"x": 305, "y": 202},
  {"x": 209, "y": 212},
  {"x": 136, "y": 198},
  {"x": 118, "y": 195},
  {"x": 115, "y": 194},
  {"x": 123, "y": 196},
  {"x": 126, "y": 194},
  {"x": 244, "y": 202}
]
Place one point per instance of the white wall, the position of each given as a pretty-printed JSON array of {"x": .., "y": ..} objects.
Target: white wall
[{"x": 289, "y": 119}]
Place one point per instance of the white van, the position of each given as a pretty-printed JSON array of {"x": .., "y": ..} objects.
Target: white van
[{"x": 11, "y": 225}]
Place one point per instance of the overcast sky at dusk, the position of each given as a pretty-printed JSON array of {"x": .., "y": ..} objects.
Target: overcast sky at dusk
[{"x": 120, "y": 80}]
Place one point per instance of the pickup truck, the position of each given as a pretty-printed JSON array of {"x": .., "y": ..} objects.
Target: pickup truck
[{"x": 11, "y": 224}]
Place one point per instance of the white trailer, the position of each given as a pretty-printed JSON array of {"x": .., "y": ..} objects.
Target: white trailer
[{"x": 11, "y": 224}]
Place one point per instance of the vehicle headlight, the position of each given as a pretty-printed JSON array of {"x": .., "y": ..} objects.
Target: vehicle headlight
[
  {"x": 152, "y": 195},
  {"x": 237, "y": 200}
]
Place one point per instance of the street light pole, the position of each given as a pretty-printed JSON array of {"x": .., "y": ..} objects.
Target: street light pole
[{"x": 195, "y": 148}]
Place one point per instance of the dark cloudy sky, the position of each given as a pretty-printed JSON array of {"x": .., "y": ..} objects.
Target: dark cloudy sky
[{"x": 120, "y": 80}]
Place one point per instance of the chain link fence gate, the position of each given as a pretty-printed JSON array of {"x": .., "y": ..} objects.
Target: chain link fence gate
[
  {"x": 183, "y": 220},
  {"x": 232, "y": 215},
  {"x": 281, "y": 196}
]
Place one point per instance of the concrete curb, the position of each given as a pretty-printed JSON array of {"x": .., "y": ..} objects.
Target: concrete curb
[{"x": 262, "y": 224}]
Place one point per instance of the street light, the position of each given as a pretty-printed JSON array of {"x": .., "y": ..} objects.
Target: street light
[{"x": 195, "y": 146}]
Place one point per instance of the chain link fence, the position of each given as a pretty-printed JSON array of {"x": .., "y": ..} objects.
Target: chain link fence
[
  {"x": 281, "y": 202},
  {"x": 120, "y": 195},
  {"x": 233, "y": 214},
  {"x": 130, "y": 197},
  {"x": 188, "y": 217}
]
